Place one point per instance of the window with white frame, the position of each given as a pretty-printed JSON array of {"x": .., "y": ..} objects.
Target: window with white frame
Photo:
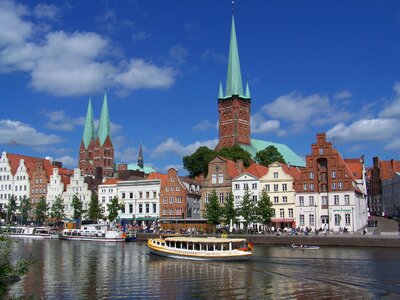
[
  {"x": 340, "y": 185},
  {"x": 284, "y": 199},
  {"x": 324, "y": 200},
  {"x": 254, "y": 186},
  {"x": 333, "y": 185},
  {"x": 167, "y": 189},
  {"x": 178, "y": 189},
  {"x": 311, "y": 200},
  {"x": 147, "y": 208},
  {"x": 290, "y": 212},
  {"x": 321, "y": 151},
  {"x": 140, "y": 208},
  {"x": 172, "y": 179},
  {"x": 154, "y": 208},
  {"x": 312, "y": 220},
  {"x": 337, "y": 219},
  {"x": 284, "y": 187},
  {"x": 273, "y": 212},
  {"x": 336, "y": 199},
  {"x": 276, "y": 199},
  {"x": 254, "y": 198},
  {"x": 221, "y": 197},
  {"x": 305, "y": 187},
  {"x": 275, "y": 174},
  {"x": 245, "y": 186},
  {"x": 206, "y": 198},
  {"x": 171, "y": 200},
  {"x": 281, "y": 213},
  {"x": 311, "y": 175},
  {"x": 172, "y": 188},
  {"x": 214, "y": 179},
  {"x": 346, "y": 199},
  {"x": 165, "y": 200},
  {"x": 276, "y": 186},
  {"x": 103, "y": 199},
  {"x": 220, "y": 178},
  {"x": 237, "y": 186},
  {"x": 301, "y": 200},
  {"x": 333, "y": 174},
  {"x": 267, "y": 188},
  {"x": 301, "y": 220},
  {"x": 311, "y": 186},
  {"x": 347, "y": 219},
  {"x": 164, "y": 211}
]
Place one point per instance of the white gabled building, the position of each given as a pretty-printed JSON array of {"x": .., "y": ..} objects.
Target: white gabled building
[
  {"x": 78, "y": 187},
  {"x": 57, "y": 185},
  {"x": 278, "y": 183},
  {"x": 107, "y": 191}
]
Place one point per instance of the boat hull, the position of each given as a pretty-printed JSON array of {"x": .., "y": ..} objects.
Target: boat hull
[
  {"x": 209, "y": 256},
  {"x": 91, "y": 239}
]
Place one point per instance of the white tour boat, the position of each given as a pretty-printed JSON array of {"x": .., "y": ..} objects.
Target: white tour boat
[
  {"x": 94, "y": 232},
  {"x": 196, "y": 248},
  {"x": 30, "y": 232}
]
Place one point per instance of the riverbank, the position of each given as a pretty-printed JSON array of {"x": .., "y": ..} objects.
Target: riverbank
[{"x": 389, "y": 239}]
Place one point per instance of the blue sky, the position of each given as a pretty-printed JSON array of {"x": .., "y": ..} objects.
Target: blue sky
[{"x": 312, "y": 66}]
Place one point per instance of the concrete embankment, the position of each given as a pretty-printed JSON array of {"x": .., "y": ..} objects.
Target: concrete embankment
[{"x": 392, "y": 240}]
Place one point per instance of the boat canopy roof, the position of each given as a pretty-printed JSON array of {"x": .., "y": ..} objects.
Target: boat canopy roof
[{"x": 203, "y": 240}]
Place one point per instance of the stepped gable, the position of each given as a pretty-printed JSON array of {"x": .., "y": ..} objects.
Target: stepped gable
[{"x": 30, "y": 162}]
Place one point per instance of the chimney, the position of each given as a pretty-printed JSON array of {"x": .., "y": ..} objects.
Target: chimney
[
  {"x": 122, "y": 167},
  {"x": 239, "y": 164}
]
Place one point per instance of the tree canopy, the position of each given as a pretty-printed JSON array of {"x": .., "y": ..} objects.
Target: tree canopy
[
  {"x": 41, "y": 210},
  {"x": 11, "y": 208},
  {"x": 229, "y": 211},
  {"x": 57, "y": 209},
  {"x": 197, "y": 163},
  {"x": 268, "y": 156},
  {"x": 78, "y": 207},
  {"x": 25, "y": 208},
  {"x": 213, "y": 211},
  {"x": 94, "y": 212},
  {"x": 264, "y": 208},
  {"x": 247, "y": 209},
  {"x": 113, "y": 208}
]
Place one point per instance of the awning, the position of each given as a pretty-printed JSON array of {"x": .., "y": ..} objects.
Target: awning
[
  {"x": 146, "y": 219},
  {"x": 277, "y": 220}
]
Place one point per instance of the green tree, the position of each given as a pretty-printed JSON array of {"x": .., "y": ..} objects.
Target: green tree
[
  {"x": 268, "y": 156},
  {"x": 265, "y": 212},
  {"x": 113, "y": 207},
  {"x": 77, "y": 204},
  {"x": 11, "y": 208},
  {"x": 229, "y": 211},
  {"x": 235, "y": 153},
  {"x": 57, "y": 209},
  {"x": 247, "y": 210},
  {"x": 41, "y": 210},
  {"x": 94, "y": 212},
  {"x": 213, "y": 211},
  {"x": 10, "y": 270},
  {"x": 25, "y": 208},
  {"x": 197, "y": 163}
]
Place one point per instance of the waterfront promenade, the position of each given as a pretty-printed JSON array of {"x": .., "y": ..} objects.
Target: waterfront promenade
[{"x": 386, "y": 234}]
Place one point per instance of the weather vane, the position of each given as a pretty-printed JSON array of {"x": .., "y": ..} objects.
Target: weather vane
[{"x": 233, "y": 7}]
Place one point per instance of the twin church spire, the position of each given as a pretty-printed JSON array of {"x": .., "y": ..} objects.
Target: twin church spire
[{"x": 104, "y": 124}]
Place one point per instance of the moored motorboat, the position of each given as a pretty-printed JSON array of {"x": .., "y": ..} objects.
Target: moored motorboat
[
  {"x": 304, "y": 247},
  {"x": 30, "y": 232},
  {"x": 94, "y": 232},
  {"x": 130, "y": 236},
  {"x": 195, "y": 248}
]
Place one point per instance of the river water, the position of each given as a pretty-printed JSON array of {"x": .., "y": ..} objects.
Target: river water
[{"x": 90, "y": 270}]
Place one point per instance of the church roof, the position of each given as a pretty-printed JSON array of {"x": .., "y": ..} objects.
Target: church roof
[
  {"x": 288, "y": 154},
  {"x": 136, "y": 167},
  {"x": 88, "y": 131},
  {"x": 234, "y": 78},
  {"x": 104, "y": 123}
]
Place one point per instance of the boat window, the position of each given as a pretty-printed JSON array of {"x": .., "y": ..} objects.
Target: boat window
[
  {"x": 184, "y": 245},
  {"x": 196, "y": 246}
]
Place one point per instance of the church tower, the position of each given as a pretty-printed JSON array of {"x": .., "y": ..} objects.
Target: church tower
[
  {"x": 140, "y": 158},
  {"x": 234, "y": 106},
  {"x": 87, "y": 144},
  {"x": 103, "y": 148}
]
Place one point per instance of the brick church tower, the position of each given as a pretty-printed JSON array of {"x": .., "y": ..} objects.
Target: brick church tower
[
  {"x": 234, "y": 106},
  {"x": 97, "y": 152}
]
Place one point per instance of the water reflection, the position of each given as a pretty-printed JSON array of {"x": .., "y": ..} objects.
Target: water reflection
[{"x": 74, "y": 270}]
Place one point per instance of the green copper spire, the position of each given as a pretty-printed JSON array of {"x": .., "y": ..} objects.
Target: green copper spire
[
  {"x": 104, "y": 123},
  {"x": 234, "y": 79},
  {"x": 220, "y": 94},
  {"x": 88, "y": 131},
  {"x": 247, "y": 91}
]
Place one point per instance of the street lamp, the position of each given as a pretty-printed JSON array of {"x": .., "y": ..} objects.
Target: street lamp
[{"x": 315, "y": 218}]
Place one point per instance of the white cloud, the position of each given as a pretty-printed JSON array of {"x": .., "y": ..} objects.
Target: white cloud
[
  {"x": 203, "y": 125},
  {"x": 141, "y": 35},
  {"x": 140, "y": 74},
  {"x": 173, "y": 146},
  {"x": 393, "y": 144},
  {"x": 343, "y": 95},
  {"x": 179, "y": 168},
  {"x": 392, "y": 109},
  {"x": 67, "y": 161},
  {"x": 177, "y": 55},
  {"x": 214, "y": 56},
  {"x": 365, "y": 130},
  {"x": 72, "y": 64},
  {"x": 58, "y": 120},
  {"x": 260, "y": 125},
  {"x": 14, "y": 30},
  {"x": 315, "y": 109},
  {"x": 127, "y": 155},
  {"x": 24, "y": 135},
  {"x": 46, "y": 11}
]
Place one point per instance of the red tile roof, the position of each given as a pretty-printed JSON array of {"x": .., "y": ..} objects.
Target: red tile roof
[
  {"x": 161, "y": 176},
  {"x": 110, "y": 181},
  {"x": 30, "y": 163},
  {"x": 355, "y": 166},
  {"x": 292, "y": 171},
  {"x": 388, "y": 168},
  {"x": 233, "y": 171},
  {"x": 257, "y": 170}
]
